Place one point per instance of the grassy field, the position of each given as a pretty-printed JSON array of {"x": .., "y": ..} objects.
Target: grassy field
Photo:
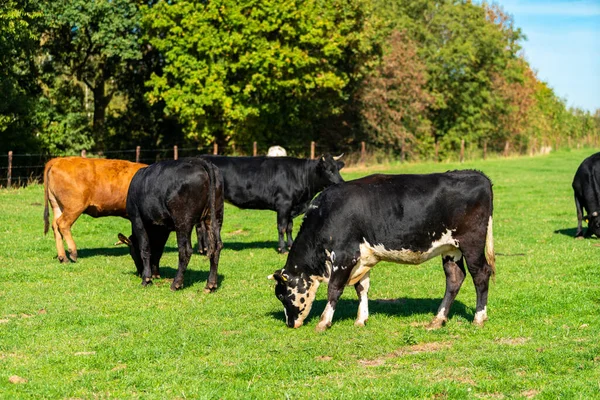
[{"x": 89, "y": 330}]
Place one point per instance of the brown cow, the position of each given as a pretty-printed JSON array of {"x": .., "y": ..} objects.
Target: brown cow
[{"x": 74, "y": 185}]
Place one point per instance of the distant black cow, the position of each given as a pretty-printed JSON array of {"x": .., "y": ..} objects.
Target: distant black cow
[
  {"x": 174, "y": 196},
  {"x": 406, "y": 219},
  {"x": 282, "y": 184},
  {"x": 586, "y": 185}
]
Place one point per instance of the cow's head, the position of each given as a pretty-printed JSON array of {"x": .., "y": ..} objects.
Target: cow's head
[
  {"x": 134, "y": 250},
  {"x": 297, "y": 293},
  {"x": 593, "y": 220},
  {"x": 329, "y": 169}
]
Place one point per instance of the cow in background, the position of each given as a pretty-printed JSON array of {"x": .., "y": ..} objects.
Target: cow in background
[
  {"x": 282, "y": 184},
  {"x": 586, "y": 185},
  {"x": 276, "y": 151},
  {"x": 174, "y": 195},
  {"x": 75, "y": 186},
  {"x": 407, "y": 219}
]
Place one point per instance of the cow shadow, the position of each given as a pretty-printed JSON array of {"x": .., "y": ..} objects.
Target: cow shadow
[
  {"x": 191, "y": 277},
  {"x": 567, "y": 232},
  {"x": 240, "y": 246},
  {"x": 402, "y": 306}
]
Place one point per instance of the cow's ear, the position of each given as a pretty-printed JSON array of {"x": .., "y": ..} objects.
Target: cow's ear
[
  {"x": 278, "y": 276},
  {"x": 124, "y": 239}
]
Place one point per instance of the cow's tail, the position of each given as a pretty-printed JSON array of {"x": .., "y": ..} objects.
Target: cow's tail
[
  {"x": 212, "y": 189},
  {"x": 490, "y": 256},
  {"x": 46, "y": 199}
]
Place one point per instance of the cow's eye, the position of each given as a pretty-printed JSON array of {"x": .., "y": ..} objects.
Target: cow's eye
[{"x": 280, "y": 297}]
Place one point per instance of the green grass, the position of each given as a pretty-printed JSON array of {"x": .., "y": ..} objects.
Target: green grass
[{"x": 90, "y": 330}]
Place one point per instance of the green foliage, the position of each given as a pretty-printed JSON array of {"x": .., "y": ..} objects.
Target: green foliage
[
  {"x": 245, "y": 71},
  {"x": 89, "y": 330}
]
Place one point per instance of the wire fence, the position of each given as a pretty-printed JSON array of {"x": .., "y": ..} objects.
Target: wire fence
[{"x": 25, "y": 169}]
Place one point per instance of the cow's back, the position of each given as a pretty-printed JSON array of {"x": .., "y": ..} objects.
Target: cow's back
[
  {"x": 97, "y": 187},
  {"x": 586, "y": 182},
  {"x": 399, "y": 211}
]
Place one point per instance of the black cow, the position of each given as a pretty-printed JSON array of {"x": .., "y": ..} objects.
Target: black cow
[
  {"x": 282, "y": 184},
  {"x": 586, "y": 185},
  {"x": 406, "y": 219},
  {"x": 174, "y": 196}
]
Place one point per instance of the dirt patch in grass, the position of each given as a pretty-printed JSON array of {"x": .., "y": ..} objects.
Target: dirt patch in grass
[
  {"x": 405, "y": 351},
  {"x": 530, "y": 394},
  {"x": 513, "y": 341},
  {"x": 324, "y": 358}
]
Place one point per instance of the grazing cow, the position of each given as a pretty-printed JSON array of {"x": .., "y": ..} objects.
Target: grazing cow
[
  {"x": 74, "y": 186},
  {"x": 586, "y": 185},
  {"x": 282, "y": 184},
  {"x": 169, "y": 196},
  {"x": 276, "y": 151},
  {"x": 407, "y": 219}
]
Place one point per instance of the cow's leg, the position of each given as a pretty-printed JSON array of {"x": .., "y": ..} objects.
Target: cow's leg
[
  {"x": 202, "y": 238},
  {"x": 145, "y": 248},
  {"x": 481, "y": 271},
  {"x": 288, "y": 233},
  {"x": 334, "y": 291},
  {"x": 282, "y": 223},
  {"x": 158, "y": 239},
  {"x": 64, "y": 224},
  {"x": 214, "y": 255},
  {"x": 60, "y": 247},
  {"x": 579, "y": 233},
  {"x": 184, "y": 244},
  {"x": 455, "y": 275},
  {"x": 362, "y": 290}
]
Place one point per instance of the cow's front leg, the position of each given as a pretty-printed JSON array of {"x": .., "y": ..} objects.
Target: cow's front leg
[
  {"x": 288, "y": 233},
  {"x": 362, "y": 290},
  {"x": 334, "y": 291},
  {"x": 282, "y": 223},
  {"x": 455, "y": 275}
]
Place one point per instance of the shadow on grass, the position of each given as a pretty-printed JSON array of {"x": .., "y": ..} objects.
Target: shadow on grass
[
  {"x": 240, "y": 246},
  {"x": 567, "y": 232},
  {"x": 347, "y": 309},
  {"x": 190, "y": 278}
]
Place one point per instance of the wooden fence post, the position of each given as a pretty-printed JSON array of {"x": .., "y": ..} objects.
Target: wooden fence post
[
  {"x": 506, "y": 148},
  {"x": 437, "y": 150},
  {"x": 254, "y": 149},
  {"x": 137, "y": 154},
  {"x": 175, "y": 152},
  {"x": 215, "y": 148},
  {"x": 484, "y": 149},
  {"x": 312, "y": 150},
  {"x": 9, "y": 173},
  {"x": 83, "y": 153},
  {"x": 363, "y": 152},
  {"x": 462, "y": 150}
]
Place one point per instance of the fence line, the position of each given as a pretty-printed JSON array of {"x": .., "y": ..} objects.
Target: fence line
[{"x": 31, "y": 172}]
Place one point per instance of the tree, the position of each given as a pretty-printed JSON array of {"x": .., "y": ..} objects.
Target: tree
[
  {"x": 238, "y": 72},
  {"x": 90, "y": 42},
  {"x": 19, "y": 40},
  {"x": 394, "y": 99}
]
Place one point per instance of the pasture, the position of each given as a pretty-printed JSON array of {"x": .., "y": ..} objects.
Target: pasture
[{"x": 89, "y": 329}]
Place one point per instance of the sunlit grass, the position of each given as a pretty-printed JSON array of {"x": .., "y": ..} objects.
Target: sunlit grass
[{"x": 90, "y": 330}]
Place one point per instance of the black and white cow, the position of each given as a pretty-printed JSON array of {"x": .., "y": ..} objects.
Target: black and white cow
[
  {"x": 407, "y": 219},
  {"x": 586, "y": 185},
  {"x": 282, "y": 184},
  {"x": 169, "y": 196}
]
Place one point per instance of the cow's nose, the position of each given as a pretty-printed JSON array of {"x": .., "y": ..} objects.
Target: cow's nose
[{"x": 297, "y": 324}]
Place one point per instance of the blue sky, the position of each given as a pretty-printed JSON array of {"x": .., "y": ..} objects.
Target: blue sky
[{"x": 562, "y": 46}]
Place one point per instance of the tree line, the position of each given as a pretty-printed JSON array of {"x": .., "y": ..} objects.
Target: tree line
[{"x": 411, "y": 78}]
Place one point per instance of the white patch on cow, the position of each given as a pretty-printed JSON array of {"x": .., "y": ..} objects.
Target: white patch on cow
[
  {"x": 481, "y": 316},
  {"x": 441, "y": 314},
  {"x": 363, "y": 306},
  {"x": 334, "y": 268},
  {"x": 312, "y": 206},
  {"x": 309, "y": 297},
  {"x": 326, "y": 317}
]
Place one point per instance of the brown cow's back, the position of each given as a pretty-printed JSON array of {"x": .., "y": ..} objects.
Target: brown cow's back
[{"x": 75, "y": 185}]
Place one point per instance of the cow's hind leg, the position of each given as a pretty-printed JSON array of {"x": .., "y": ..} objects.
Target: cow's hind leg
[
  {"x": 202, "y": 234},
  {"x": 60, "y": 247},
  {"x": 362, "y": 290},
  {"x": 184, "y": 245},
  {"x": 481, "y": 271},
  {"x": 455, "y": 275},
  {"x": 288, "y": 233},
  {"x": 214, "y": 253},
  {"x": 64, "y": 224}
]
